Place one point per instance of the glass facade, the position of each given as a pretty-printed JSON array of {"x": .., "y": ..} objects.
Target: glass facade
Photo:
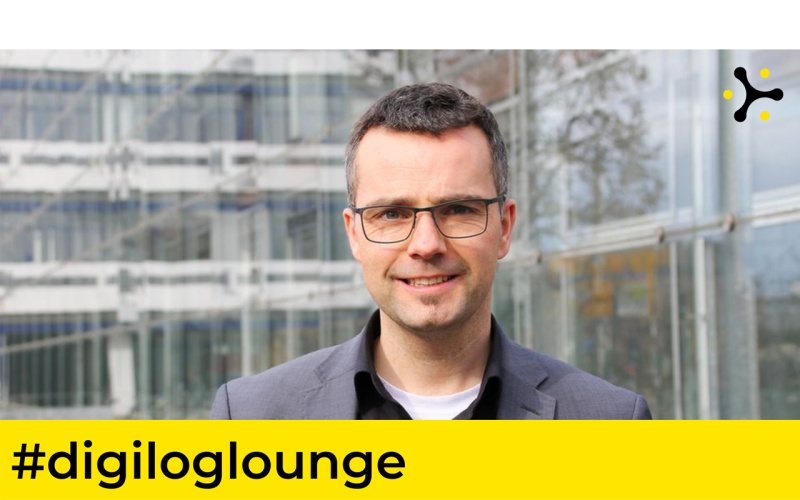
[{"x": 170, "y": 220}]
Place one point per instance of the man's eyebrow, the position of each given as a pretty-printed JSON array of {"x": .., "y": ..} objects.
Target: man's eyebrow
[
  {"x": 389, "y": 201},
  {"x": 407, "y": 202},
  {"x": 462, "y": 196}
]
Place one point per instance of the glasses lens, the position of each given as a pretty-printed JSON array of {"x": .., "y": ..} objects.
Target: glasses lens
[
  {"x": 387, "y": 224},
  {"x": 461, "y": 219}
]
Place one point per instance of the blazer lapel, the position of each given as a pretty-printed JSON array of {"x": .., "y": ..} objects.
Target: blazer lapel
[
  {"x": 521, "y": 401},
  {"x": 520, "y": 398},
  {"x": 334, "y": 398}
]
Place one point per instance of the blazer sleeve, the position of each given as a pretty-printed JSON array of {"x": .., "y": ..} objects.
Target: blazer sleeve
[
  {"x": 640, "y": 409},
  {"x": 221, "y": 409}
]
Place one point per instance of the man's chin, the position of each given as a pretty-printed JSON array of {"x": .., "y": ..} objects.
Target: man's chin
[{"x": 427, "y": 325}]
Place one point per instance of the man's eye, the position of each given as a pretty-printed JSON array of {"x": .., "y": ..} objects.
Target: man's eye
[
  {"x": 460, "y": 210},
  {"x": 391, "y": 215}
]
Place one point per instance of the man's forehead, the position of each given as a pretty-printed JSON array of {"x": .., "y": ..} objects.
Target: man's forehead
[
  {"x": 407, "y": 168},
  {"x": 386, "y": 133},
  {"x": 412, "y": 201}
]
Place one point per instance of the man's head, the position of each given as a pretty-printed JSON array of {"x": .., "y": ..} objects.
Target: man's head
[
  {"x": 418, "y": 147},
  {"x": 430, "y": 108}
]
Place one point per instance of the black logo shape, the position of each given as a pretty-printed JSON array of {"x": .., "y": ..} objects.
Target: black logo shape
[{"x": 752, "y": 94}]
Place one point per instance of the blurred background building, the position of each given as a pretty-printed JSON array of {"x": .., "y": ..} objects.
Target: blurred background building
[{"x": 170, "y": 220}]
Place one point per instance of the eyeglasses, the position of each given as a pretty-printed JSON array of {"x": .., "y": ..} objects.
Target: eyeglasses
[{"x": 454, "y": 219}]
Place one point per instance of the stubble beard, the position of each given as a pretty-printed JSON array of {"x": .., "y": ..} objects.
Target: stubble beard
[{"x": 426, "y": 321}]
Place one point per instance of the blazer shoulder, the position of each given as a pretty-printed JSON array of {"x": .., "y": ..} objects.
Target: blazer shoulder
[
  {"x": 274, "y": 393},
  {"x": 581, "y": 395}
]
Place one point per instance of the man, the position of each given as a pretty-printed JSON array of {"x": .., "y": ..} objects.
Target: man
[{"x": 428, "y": 220}]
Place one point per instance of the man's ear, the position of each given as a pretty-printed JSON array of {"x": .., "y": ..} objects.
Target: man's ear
[
  {"x": 350, "y": 226},
  {"x": 507, "y": 227}
]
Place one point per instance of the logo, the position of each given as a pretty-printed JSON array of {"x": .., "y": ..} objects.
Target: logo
[{"x": 752, "y": 94}]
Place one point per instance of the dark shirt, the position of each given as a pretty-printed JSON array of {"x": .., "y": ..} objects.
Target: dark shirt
[{"x": 375, "y": 403}]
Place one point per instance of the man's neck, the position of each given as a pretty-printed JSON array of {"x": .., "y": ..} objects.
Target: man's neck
[{"x": 436, "y": 363}]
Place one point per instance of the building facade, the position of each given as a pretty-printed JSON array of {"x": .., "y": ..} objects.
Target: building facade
[{"x": 172, "y": 220}]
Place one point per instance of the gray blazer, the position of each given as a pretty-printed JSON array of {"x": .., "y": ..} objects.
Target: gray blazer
[{"x": 320, "y": 386}]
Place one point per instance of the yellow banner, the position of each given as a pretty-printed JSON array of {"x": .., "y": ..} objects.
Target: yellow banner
[{"x": 403, "y": 460}]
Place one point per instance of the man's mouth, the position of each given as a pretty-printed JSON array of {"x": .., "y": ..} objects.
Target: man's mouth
[{"x": 428, "y": 281}]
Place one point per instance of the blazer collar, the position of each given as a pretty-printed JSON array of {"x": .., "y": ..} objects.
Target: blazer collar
[{"x": 335, "y": 397}]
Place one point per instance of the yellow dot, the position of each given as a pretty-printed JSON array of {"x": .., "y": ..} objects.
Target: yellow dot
[
  {"x": 764, "y": 73},
  {"x": 727, "y": 94},
  {"x": 764, "y": 115}
]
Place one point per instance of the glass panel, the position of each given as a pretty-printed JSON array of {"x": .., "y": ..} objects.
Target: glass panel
[
  {"x": 758, "y": 296},
  {"x": 620, "y": 321},
  {"x": 774, "y": 150}
]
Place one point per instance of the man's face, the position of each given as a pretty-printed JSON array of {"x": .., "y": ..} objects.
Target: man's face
[{"x": 420, "y": 170}]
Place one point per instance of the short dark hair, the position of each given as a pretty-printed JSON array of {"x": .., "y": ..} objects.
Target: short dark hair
[{"x": 429, "y": 108}]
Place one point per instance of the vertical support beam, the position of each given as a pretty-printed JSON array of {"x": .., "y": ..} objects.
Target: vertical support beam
[
  {"x": 521, "y": 278},
  {"x": 169, "y": 376},
  {"x": 675, "y": 331},
  {"x": 97, "y": 374},
  {"x": 323, "y": 256},
  {"x": 700, "y": 326},
  {"x": 712, "y": 299},
  {"x": 701, "y": 330},
  {"x": 247, "y": 335},
  {"x": 246, "y": 267},
  {"x": 109, "y": 125},
  {"x": 566, "y": 342},
  {"x": 121, "y": 374},
  {"x": 752, "y": 373},
  {"x": 675, "y": 326},
  {"x": 290, "y": 332},
  {"x": 294, "y": 100},
  {"x": 265, "y": 346},
  {"x": 672, "y": 144},
  {"x": 47, "y": 389},
  {"x": 78, "y": 364},
  {"x": 326, "y": 326},
  {"x": 738, "y": 325},
  {"x": 702, "y": 210},
  {"x": 523, "y": 144},
  {"x": 62, "y": 372},
  {"x": 515, "y": 146},
  {"x": 727, "y": 138},
  {"x": 5, "y": 366},
  {"x": 34, "y": 384},
  {"x": 143, "y": 370}
]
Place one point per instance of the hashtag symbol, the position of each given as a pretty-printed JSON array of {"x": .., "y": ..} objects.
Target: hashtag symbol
[{"x": 23, "y": 454}]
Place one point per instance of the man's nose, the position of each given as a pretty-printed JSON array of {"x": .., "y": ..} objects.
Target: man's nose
[{"x": 426, "y": 241}]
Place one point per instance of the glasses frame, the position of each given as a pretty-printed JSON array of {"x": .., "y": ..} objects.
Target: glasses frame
[{"x": 486, "y": 201}]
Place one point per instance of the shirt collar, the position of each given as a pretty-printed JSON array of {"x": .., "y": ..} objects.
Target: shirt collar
[{"x": 372, "y": 395}]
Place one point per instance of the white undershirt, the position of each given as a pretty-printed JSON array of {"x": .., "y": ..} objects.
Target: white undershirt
[{"x": 432, "y": 407}]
